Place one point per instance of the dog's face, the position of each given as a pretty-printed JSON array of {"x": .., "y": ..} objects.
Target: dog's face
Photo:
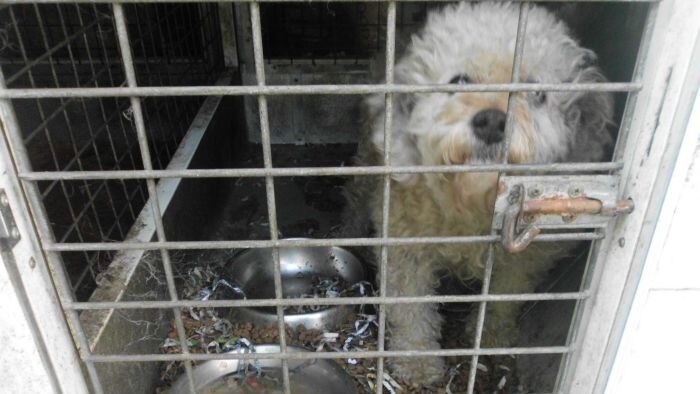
[{"x": 474, "y": 43}]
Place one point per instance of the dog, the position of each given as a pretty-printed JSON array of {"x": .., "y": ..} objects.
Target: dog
[{"x": 462, "y": 44}]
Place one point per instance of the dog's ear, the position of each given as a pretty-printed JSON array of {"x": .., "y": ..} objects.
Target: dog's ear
[
  {"x": 589, "y": 116},
  {"x": 403, "y": 145}
]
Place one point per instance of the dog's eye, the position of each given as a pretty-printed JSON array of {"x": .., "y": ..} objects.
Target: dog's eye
[
  {"x": 460, "y": 79},
  {"x": 540, "y": 97}
]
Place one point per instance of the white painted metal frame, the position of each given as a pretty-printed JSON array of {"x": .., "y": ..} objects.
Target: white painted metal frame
[{"x": 34, "y": 286}]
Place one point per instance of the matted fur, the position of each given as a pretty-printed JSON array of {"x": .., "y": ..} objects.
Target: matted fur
[{"x": 477, "y": 40}]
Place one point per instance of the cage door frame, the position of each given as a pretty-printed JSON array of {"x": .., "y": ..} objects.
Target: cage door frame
[
  {"x": 656, "y": 128},
  {"x": 36, "y": 292}
]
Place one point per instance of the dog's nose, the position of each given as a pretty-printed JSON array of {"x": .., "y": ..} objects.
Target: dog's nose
[{"x": 489, "y": 125}]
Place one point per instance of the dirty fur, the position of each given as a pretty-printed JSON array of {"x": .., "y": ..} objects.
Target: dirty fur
[{"x": 476, "y": 40}]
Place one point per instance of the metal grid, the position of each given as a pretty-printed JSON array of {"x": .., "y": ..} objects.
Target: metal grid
[
  {"x": 74, "y": 45},
  {"x": 136, "y": 94}
]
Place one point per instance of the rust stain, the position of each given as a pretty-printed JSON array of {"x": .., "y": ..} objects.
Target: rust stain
[
  {"x": 575, "y": 206},
  {"x": 501, "y": 188},
  {"x": 562, "y": 205}
]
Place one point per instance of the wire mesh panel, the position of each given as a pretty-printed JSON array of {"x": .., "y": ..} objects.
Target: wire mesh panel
[
  {"x": 74, "y": 45},
  {"x": 103, "y": 100}
]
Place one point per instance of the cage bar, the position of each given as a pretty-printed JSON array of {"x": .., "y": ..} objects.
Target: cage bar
[
  {"x": 315, "y": 171},
  {"x": 296, "y": 1},
  {"x": 125, "y": 48},
  {"x": 386, "y": 300},
  {"x": 508, "y": 129},
  {"x": 269, "y": 184},
  {"x": 390, "y": 241},
  {"x": 102, "y": 358},
  {"x": 386, "y": 195},
  {"x": 148, "y": 91}
]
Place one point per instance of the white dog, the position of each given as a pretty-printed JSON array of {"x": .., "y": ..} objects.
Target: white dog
[{"x": 472, "y": 43}]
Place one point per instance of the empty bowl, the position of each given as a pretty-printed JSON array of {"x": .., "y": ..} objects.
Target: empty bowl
[{"x": 304, "y": 270}]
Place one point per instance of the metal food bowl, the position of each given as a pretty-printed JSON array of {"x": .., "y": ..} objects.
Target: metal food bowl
[
  {"x": 252, "y": 270},
  {"x": 318, "y": 376}
]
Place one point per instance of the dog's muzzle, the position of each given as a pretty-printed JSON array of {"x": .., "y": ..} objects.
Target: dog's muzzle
[{"x": 489, "y": 125}]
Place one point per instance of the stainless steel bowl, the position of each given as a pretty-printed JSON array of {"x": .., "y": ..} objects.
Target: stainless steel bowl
[
  {"x": 320, "y": 376},
  {"x": 252, "y": 270}
]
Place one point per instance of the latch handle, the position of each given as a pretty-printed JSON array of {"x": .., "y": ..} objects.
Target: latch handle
[{"x": 514, "y": 242}]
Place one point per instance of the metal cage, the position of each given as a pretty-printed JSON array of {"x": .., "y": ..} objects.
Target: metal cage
[{"x": 95, "y": 99}]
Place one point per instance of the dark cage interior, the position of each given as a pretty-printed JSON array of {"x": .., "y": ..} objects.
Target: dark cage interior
[{"x": 205, "y": 44}]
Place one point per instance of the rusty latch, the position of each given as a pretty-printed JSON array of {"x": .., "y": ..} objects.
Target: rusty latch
[{"x": 569, "y": 206}]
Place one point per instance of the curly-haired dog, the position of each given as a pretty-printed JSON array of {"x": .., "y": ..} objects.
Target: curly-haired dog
[{"x": 472, "y": 43}]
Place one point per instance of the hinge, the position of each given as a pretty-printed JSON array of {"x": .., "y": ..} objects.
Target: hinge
[
  {"x": 9, "y": 232},
  {"x": 525, "y": 205}
]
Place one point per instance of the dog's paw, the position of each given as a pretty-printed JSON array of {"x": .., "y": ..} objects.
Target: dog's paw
[{"x": 418, "y": 370}]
